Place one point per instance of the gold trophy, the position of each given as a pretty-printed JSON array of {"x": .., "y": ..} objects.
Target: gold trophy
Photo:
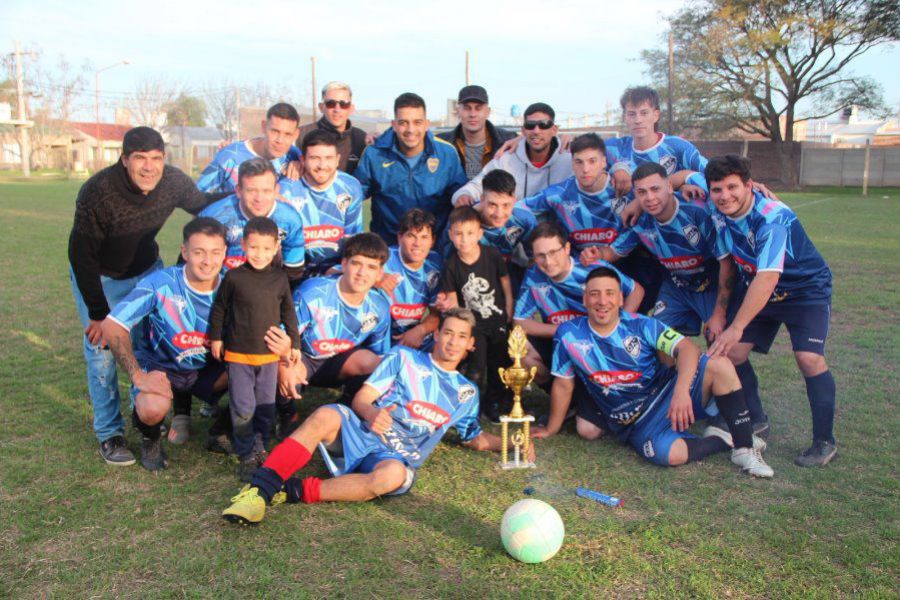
[{"x": 516, "y": 378}]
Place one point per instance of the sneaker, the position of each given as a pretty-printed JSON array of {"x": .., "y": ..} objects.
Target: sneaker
[
  {"x": 115, "y": 453},
  {"x": 208, "y": 410},
  {"x": 751, "y": 461},
  {"x": 220, "y": 444},
  {"x": 246, "y": 468},
  {"x": 247, "y": 508},
  {"x": 180, "y": 431},
  {"x": 818, "y": 455},
  {"x": 761, "y": 428},
  {"x": 725, "y": 435},
  {"x": 153, "y": 457}
]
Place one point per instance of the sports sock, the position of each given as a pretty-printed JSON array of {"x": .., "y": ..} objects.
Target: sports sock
[
  {"x": 700, "y": 448},
  {"x": 734, "y": 409},
  {"x": 821, "y": 392},
  {"x": 151, "y": 432},
  {"x": 287, "y": 458},
  {"x": 750, "y": 385},
  {"x": 181, "y": 403},
  {"x": 267, "y": 481},
  {"x": 312, "y": 488}
]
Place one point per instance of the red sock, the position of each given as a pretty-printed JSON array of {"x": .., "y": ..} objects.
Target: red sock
[
  {"x": 312, "y": 488},
  {"x": 287, "y": 458}
]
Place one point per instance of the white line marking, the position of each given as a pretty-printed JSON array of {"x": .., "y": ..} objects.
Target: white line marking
[{"x": 811, "y": 203}]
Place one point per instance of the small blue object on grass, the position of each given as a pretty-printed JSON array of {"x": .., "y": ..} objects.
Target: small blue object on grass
[
  {"x": 528, "y": 491},
  {"x": 598, "y": 497}
]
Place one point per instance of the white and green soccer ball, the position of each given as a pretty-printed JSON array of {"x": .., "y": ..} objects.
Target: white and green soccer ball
[{"x": 532, "y": 531}]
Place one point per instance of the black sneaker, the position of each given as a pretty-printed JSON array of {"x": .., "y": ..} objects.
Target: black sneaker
[
  {"x": 153, "y": 457},
  {"x": 818, "y": 455},
  {"x": 761, "y": 428},
  {"x": 115, "y": 453},
  {"x": 220, "y": 444}
]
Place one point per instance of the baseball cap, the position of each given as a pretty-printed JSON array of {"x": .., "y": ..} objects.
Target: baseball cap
[{"x": 473, "y": 93}]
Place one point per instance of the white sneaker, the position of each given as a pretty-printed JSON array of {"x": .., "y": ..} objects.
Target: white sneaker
[
  {"x": 751, "y": 461},
  {"x": 725, "y": 436}
]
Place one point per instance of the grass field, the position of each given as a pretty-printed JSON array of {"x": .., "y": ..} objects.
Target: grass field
[{"x": 72, "y": 527}]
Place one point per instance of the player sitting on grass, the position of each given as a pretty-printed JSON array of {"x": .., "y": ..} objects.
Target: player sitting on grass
[
  {"x": 399, "y": 415},
  {"x": 634, "y": 394},
  {"x": 253, "y": 298},
  {"x": 784, "y": 281}
]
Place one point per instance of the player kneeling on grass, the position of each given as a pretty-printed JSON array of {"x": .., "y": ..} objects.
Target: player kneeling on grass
[
  {"x": 397, "y": 418},
  {"x": 633, "y": 393}
]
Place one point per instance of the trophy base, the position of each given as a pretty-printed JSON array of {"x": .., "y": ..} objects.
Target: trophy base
[
  {"x": 524, "y": 419},
  {"x": 509, "y": 466}
]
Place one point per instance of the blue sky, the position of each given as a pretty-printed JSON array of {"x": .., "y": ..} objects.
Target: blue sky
[{"x": 576, "y": 55}]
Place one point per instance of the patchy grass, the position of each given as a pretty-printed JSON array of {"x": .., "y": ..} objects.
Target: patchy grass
[{"x": 73, "y": 527}]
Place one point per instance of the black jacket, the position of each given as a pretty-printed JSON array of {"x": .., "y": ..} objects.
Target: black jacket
[
  {"x": 494, "y": 139},
  {"x": 350, "y": 143}
]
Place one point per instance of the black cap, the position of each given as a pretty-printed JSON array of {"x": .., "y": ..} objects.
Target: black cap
[{"x": 473, "y": 93}]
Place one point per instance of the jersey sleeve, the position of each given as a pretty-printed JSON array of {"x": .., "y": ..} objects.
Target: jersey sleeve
[
  {"x": 138, "y": 304},
  {"x": 538, "y": 203},
  {"x": 562, "y": 361},
  {"x": 212, "y": 177},
  {"x": 379, "y": 341},
  {"x": 771, "y": 245},
  {"x": 468, "y": 426},
  {"x": 526, "y": 305},
  {"x": 386, "y": 372},
  {"x": 304, "y": 317},
  {"x": 625, "y": 242},
  {"x": 662, "y": 337},
  {"x": 293, "y": 246},
  {"x": 692, "y": 159},
  {"x": 713, "y": 239}
]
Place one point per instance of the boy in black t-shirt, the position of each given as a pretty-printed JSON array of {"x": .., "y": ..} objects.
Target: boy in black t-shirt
[
  {"x": 252, "y": 298},
  {"x": 475, "y": 277}
]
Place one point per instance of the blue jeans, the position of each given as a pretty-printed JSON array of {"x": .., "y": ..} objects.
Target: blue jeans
[{"x": 103, "y": 382}]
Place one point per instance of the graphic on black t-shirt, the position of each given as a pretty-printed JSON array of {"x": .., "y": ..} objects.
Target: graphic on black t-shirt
[{"x": 478, "y": 297}]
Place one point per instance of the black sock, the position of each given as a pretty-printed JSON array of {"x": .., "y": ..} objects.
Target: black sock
[
  {"x": 750, "y": 385},
  {"x": 286, "y": 407},
  {"x": 222, "y": 424},
  {"x": 821, "y": 393},
  {"x": 734, "y": 409},
  {"x": 268, "y": 482},
  {"x": 700, "y": 448},
  {"x": 293, "y": 487},
  {"x": 148, "y": 431},
  {"x": 181, "y": 403}
]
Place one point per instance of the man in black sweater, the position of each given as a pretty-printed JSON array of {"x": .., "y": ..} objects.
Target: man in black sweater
[{"x": 112, "y": 246}]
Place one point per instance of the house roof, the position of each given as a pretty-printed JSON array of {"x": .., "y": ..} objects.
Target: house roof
[
  {"x": 172, "y": 134},
  {"x": 108, "y": 131}
]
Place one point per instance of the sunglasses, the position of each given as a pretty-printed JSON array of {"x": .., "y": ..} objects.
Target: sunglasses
[
  {"x": 345, "y": 104},
  {"x": 543, "y": 124}
]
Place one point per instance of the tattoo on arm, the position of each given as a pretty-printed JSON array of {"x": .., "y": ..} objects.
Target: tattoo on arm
[
  {"x": 121, "y": 349},
  {"x": 725, "y": 291}
]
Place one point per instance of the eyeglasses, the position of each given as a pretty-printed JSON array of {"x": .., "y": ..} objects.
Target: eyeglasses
[
  {"x": 544, "y": 256},
  {"x": 543, "y": 124},
  {"x": 345, "y": 104}
]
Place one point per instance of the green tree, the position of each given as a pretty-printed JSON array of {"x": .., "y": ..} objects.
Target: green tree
[{"x": 186, "y": 110}]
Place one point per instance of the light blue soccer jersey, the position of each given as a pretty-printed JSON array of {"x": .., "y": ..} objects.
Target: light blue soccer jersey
[
  {"x": 177, "y": 320},
  {"x": 770, "y": 238},
  {"x": 330, "y": 326},
  {"x": 328, "y": 217},
  {"x": 228, "y": 212},
  {"x": 429, "y": 401},
  {"x": 621, "y": 371},
  {"x": 416, "y": 290},
  {"x": 221, "y": 174},
  {"x": 589, "y": 219},
  {"x": 510, "y": 239},
  {"x": 560, "y": 301},
  {"x": 687, "y": 245},
  {"x": 672, "y": 152}
]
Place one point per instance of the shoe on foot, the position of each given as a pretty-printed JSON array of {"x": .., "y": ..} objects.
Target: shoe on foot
[
  {"x": 818, "y": 455},
  {"x": 180, "y": 430},
  {"x": 751, "y": 461},
  {"x": 246, "y": 468},
  {"x": 208, "y": 410},
  {"x": 220, "y": 444},
  {"x": 761, "y": 428},
  {"x": 247, "y": 508},
  {"x": 115, "y": 453},
  {"x": 723, "y": 434},
  {"x": 153, "y": 457}
]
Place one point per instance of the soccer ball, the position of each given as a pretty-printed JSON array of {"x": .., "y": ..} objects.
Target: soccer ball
[{"x": 531, "y": 531}]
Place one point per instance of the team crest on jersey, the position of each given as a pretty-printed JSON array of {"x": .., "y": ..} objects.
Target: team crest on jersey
[
  {"x": 466, "y": 393},
  {"x": 618, "y": 204},
  {"x": 632, "y": 345},
  {"x": 658, "y": 307},
  {"x": 235, "y": 232},
  {"x": 513, "y": 234},
  {"x": 433, "y": 163},
  {"x": 718, "y": 221},
  {"x": 368, "y": 322},
  {"x": 343, "y": 202},
  {"x": 668, "y": 163},
  {"x": 691, "y": 234}
]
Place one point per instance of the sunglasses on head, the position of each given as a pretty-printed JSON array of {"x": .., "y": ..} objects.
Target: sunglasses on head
[
  {"x": 543, "y": 124},
  {"x": 345, "y": 104}
]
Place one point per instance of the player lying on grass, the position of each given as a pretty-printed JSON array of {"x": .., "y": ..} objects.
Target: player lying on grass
[
  {"x": 397, "y": 418},
  {"x": 633, "y": 393}
]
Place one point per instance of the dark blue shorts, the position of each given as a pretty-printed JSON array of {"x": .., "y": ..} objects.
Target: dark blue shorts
[
  {"x": 807, "y": 325},
  {"x": 683, "y": 310},
  {"x": 199, "y": 383}
]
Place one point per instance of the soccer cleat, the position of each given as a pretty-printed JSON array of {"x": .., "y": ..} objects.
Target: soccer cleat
[
  {"x": 751, "y": 461},
  {"x": 219, "y": 444},
  {"x": 725, "y": 435},
  {"x": 180, "y": 431},
  {"x": 153, "y": 458},
  {"x": 818, "y": 455},
  {"x": 247, "y": 508},
  {"x": 115, "y": 453}
]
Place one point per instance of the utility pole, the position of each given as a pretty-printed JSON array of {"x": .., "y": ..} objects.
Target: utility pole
[
  {"x": 24, "y": 141},
  {"x": 671, "y": 90},
  {"x": 312, "y": 60},
  {"x": 468, "y": 81}
]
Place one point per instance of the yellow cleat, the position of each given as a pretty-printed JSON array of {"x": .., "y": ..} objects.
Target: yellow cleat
[{"x": 247, "y": 508}]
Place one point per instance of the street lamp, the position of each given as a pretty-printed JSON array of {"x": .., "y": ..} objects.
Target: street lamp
[{"x": 98, "y": 158}]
